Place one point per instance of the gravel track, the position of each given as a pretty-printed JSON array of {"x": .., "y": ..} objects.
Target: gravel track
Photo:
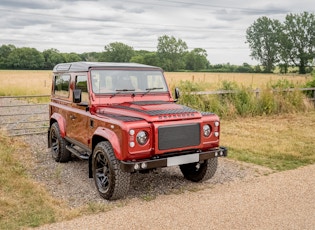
[
  {"x": 279, "y": 201},
  {"x": 70, "y": 182}
]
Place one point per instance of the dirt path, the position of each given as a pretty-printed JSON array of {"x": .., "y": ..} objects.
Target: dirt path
[{"x": 283, "y": 200}]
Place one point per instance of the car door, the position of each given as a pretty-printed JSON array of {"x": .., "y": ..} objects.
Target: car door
[{"x": 78, "y": 116}]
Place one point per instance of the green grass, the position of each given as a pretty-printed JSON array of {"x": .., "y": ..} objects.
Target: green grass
[
  {"x": 25, "y": 203},
  {"x": 280, "y": 142},
  {"x": 22, "y": 202}
]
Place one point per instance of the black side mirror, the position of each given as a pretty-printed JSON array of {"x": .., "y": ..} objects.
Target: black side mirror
[
  {"x": 177, "y": 94},
  {"x": 77, "y": 95}
]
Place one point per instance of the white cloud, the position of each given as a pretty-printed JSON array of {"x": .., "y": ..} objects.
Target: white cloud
[{"x": 83, "y": 26}]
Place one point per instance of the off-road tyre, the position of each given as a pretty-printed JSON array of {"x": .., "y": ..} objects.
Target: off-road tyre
[
  {"x": 198, "y": 172},
  {"x": 111, "y": 182},
  {"x": 58, "y": 144}
]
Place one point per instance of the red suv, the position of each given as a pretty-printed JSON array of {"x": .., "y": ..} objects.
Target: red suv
[{"x": 122, "y": 118}]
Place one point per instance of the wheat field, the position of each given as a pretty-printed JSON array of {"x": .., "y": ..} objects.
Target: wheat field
[
  {"x": 38, "y": 82},
  {"x": 213, "y": 80},
  {"x": 25, "y": 82}
]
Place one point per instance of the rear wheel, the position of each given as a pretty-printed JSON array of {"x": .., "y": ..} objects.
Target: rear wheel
[
  {"x": 200, "y": 171},
  {"x": 58, "y": 145},
  {"x": 111, "y": 182}
]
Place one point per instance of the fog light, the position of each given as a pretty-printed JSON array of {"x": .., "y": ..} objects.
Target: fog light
[
  {"x": 216, "y": 154},
  {"x": 136, "y": 166},
  {"x": 131, "y": 132},
  {"x": 132, "y": 144},
  {"x": 144, "y": 165},
  {"x": 216, "y": 123},
  {"x": 216, "y": 134}
]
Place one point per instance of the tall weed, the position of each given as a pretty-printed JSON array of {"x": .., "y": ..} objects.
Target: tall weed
[
  {"x": 242, "y": 101},
  {"x": 311, "y": 84}
]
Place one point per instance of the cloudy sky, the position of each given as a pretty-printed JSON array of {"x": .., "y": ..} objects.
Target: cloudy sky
[{"x": 218, "y": 26}]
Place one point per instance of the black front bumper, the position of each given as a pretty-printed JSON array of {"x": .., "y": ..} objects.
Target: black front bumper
[{"x": 194, "y": 157}]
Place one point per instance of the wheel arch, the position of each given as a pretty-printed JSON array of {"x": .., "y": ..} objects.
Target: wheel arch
[
  {"x": 56, "y": 117},
  {"x": 61, "y": 123},
  {"x": 100, "y": 135}
]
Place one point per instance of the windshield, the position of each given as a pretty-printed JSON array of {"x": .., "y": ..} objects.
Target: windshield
[{"x": 126, "y": 81}]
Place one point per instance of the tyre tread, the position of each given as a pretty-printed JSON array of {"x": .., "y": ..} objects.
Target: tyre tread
[{"x": 121, "y": 180}]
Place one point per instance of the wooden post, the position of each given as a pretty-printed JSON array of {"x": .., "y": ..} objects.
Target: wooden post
[{"x": 257, "y": 93}]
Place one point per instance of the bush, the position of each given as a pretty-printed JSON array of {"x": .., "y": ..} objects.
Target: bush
[
  {"x": 310, "y": 84},
  {"x": 273, "y": 99}
]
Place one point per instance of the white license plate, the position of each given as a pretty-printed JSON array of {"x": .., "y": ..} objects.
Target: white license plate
[{"x": 185, "y": 159}]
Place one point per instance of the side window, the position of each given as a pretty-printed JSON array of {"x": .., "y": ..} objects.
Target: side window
[
  {"x": 62, "y": 84},
  {"x": 81, "y": 83}
]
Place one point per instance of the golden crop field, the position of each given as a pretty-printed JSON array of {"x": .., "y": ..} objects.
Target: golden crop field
[
  {"x": 214, "y": 80},
  {"x": 25, "y": 82},
  {"x": 38, "y": 82}
]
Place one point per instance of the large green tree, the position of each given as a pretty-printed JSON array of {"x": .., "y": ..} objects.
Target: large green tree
[
  {"x": 5, "y": 51},
  {"x": 91, "y": 56},
  {"x": 298, "y": 40},
  {"x": 197, "y": 59},
  {"x": 25, "y": 58},
  {"x": 71, "y": 57},
  {"x": 171, "y": 52},
  {"x": 52, "y": 57},
  {"x": 118, "y": 52},
  {"x": 145, "y": 57},
  {"x": 264, "y": 41}
]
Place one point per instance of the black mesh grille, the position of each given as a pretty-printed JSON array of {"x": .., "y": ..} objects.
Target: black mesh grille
[{"x": 178, "y": 136}]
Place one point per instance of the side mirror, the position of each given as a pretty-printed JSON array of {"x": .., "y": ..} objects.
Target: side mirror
[
  {"x": 77, "y": 95},
  {"x": 177, "y": 94}
]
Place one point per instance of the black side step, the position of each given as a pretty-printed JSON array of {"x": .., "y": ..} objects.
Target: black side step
[{"x": 77, "y": 153}]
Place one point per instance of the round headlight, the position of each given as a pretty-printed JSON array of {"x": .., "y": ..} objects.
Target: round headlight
[
  {"x": 142, "y": 137},
  {"x": 206, "y": 130}
]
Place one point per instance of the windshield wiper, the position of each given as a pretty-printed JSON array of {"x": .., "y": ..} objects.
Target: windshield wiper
[
  {"x": 118, "y": 91},
  {"x": 148, "y": 90}
]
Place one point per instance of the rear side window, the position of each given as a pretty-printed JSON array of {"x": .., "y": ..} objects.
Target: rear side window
[
  {"x": 62, "y": 84},
  {"x": 81, "y": 83}
]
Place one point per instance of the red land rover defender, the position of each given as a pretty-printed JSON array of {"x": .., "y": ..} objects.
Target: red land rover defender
[{"x": 121, "y": 117}]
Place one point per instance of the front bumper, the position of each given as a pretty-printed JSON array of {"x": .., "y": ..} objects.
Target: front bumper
[{"x": 194, "y": 157}]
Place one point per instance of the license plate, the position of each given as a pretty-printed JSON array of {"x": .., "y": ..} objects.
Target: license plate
[{"x": 185, "y": 159}]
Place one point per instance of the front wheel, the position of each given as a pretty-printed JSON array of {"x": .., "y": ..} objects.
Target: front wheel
[
  {"x": 200, "y": 171},
  {"x": 111, "y": 182}
]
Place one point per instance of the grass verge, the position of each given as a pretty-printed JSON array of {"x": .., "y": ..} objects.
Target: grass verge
[
  {"x": 280, "y": 142},
  {"x": 25, "y": 203},
  {"x": 22, "y": 202}
]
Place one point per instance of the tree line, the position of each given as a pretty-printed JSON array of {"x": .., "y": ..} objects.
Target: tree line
[
  {"x": 172, "y": 55},
  {"x": 272, "y": 43}
]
